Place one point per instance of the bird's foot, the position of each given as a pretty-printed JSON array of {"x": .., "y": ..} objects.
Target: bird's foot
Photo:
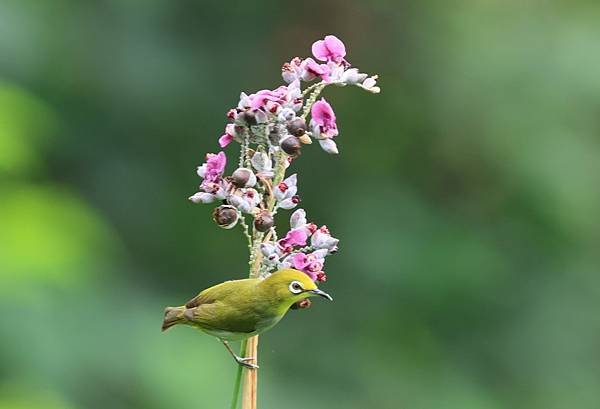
[
  {"x": 239, "y": 359},
  {"x": 244, "y": 362}
]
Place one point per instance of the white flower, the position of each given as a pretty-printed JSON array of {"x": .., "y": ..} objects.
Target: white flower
[
  {"x": 286, "y": 115},
  {"x": 329, "y": 146},
  {"x": 245, "y": 199},
  {"x": 336, "y": 71},
  {"x": 369, "y": 85},
  {"x": 245, "y": 101},
  {"x": 298, "y": 219},
  {"x": 286, "y": 189},
  {"x": 269, "y": 250},
  {"x": 288, "y": 204},
  {"x": 202, "y": 197},
  {"x": 322, "y": 239},
  {"x": 263, "y": 164},
  {"x": 353, "y": 77},
  {"x": 261, "y": 117}
]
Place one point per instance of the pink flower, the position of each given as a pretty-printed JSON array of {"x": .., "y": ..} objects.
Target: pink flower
[
  {"x": 323, "y": 115},
  {"x": 213, "y": 186},
  {"x": 329, "y": 49},
  {"x": 228, "y": 136},
  {"x": 268, "y": 99},
  {"x": 295, "y": 237},
  {"x": 311, "y": 70},
  {"x": 213, "y": 169},
  {"x": 311, "y": 264},
  {"x": 323, "y": 120},
  {"x": 290, "y": 71},
  {"x": 225, "y": 140},
  {"x": 323, "y": 125}
]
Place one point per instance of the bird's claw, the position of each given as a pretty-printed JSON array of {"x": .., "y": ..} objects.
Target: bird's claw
[{"x": 243, "y": 362}]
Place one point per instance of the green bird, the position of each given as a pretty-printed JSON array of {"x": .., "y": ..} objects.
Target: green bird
[{"x": 239, "y": 309}]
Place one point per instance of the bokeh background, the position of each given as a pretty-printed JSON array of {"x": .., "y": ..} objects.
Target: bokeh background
[{"x": 466, "y": 198}]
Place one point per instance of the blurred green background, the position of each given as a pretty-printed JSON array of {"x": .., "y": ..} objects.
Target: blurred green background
[{"x": 466, "y": 199}]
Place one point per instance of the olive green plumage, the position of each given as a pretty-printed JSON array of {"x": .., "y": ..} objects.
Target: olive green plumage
[{"x": 239, "y": 309}]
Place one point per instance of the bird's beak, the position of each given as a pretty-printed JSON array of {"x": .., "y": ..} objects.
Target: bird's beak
[{"x": 321, "y": 293}]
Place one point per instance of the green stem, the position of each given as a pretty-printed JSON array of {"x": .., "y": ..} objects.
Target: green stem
[
  {"x": 311, "y": 88},
  {"x": 280, "y": 159},
  {"x": 315, "y": 91},
  {"x": 238, "y": 379},
  {"x": 247, "y": 234}
]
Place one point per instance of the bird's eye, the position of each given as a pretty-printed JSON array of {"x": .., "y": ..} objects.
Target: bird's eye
[{"x": 295, "y": 287}]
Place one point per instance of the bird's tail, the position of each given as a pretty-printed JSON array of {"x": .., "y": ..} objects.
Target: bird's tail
[{"x": 173, "y": 316}]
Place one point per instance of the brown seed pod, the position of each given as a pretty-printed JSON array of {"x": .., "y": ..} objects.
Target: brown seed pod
[
  {"x": 291, "y": 145},
  {"x": 243, "y": 177},
  {"x": 226, "y": 216},
  {"x": 263, "y": 221},
  {"x": 297, "y": 127}
]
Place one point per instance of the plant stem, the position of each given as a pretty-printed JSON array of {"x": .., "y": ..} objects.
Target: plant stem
[
  {"x": 315, "y": 91},
  {"x": 238, "y": 380},
  {"x": 246, "y": 233},
  {"x": 249, "y": 391},
  {"x": 311, "y": 88}
]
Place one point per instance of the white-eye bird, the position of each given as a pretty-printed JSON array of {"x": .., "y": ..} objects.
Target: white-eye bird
[{"x": 238, "y": 309}]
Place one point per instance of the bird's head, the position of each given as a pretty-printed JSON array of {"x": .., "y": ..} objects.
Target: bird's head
[{"x": 288, "y": 286}]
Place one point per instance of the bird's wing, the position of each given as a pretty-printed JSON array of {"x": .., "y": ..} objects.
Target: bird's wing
[
  {"x": 230, "y": 306},
  {"x": 214, "y": 293},
  {"x": 221, "y": 317},
  {"x": 202, "y": 298}
]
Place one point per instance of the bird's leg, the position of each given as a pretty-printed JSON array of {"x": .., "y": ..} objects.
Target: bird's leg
[{"x": 239, "y": 359}]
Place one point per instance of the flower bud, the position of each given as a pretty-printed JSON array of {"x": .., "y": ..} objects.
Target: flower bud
[
  {"x": 321, "y": 277},
  {"x": 226, "y": 216},
  {"x": 263, "y": 221},
  {"x": 328, "y": 145},
  {"x": 243, "y": 177},
  {"x": 202, "y": 197},
  {"x": 231, "y": 115},
  {"x": 291, "y": 145},
  {"x": 297, "y": 127},
  {"x": 305, "y": 139}
]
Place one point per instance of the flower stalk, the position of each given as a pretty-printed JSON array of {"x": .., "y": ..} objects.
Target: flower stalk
[{"x": 272, "y": 127}]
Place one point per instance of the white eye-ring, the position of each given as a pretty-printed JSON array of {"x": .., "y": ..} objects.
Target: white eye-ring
[{"x": 295, "y": 287}]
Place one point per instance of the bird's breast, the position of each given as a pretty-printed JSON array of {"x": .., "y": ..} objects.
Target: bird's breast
[{"x": 267, "y": 323}]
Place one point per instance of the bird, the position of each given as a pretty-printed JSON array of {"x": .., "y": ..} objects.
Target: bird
[{"x": 239, "y": 309}]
